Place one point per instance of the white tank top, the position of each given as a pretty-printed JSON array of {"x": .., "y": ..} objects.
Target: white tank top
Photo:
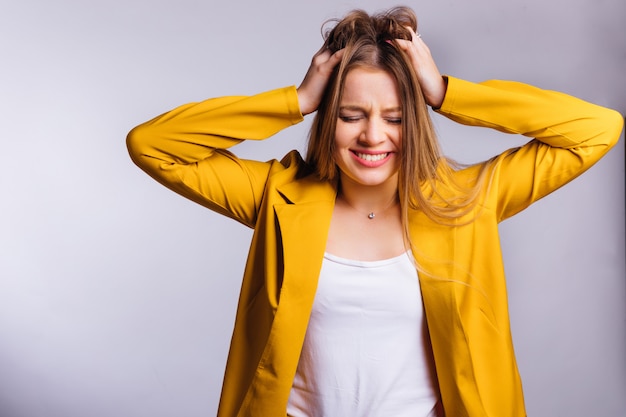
[{"x": 366, "y": 352}]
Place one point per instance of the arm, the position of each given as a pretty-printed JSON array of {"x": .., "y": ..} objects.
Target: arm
[
  {"x": 184, "y": 149},
  {"x": 570, "y": 136}
]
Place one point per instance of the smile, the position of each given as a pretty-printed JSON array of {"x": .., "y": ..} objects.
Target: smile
[{"x": 372, "y": 158}]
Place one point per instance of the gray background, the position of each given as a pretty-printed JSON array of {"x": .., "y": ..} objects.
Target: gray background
[{"x": 117, "y": 297}]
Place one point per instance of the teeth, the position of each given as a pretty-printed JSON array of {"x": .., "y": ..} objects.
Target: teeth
[{"x": 370, "y": 157}]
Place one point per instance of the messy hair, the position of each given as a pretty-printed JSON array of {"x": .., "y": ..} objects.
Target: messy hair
[{"x": 425, "y": 180}]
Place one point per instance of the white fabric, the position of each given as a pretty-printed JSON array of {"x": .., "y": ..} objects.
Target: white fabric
[{"x": 366, "y": 351}]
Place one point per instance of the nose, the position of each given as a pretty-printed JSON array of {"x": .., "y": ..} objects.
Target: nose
[{"x": 373, "y": 133}]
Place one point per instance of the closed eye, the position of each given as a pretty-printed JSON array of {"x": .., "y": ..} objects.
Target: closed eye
[{"x": 350, "y": 119}]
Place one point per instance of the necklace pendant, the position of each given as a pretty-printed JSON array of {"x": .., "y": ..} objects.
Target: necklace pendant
[{"x": 371, "y": 215}]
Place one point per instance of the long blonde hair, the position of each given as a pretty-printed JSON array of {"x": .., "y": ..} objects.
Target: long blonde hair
[{"x": 426, "y": 181}]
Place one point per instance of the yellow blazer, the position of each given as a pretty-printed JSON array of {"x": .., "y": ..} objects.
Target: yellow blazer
[{"x": 461, "y": 277}]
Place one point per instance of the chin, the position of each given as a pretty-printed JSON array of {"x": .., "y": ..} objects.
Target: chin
[{"x": 373, "y": 181}]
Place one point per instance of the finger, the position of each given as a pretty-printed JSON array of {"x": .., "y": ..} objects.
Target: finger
[
  {"x": 336, "y": 58},
  {"x": 321, "y": 55},
  {"x": 328, "y": 61},
  {"x": 416, "y": 46},
  {"x": 415, "y": 36}
]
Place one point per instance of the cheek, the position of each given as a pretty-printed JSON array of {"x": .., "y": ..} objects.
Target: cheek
[
  {"x": 339, "y": 156},
  {"x": 342, "y": 136},
  {"x": 398, "y": 141},
  {"x": 341, "y": 144}
]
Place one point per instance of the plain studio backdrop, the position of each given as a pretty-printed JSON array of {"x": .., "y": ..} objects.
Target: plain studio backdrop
[{"x": 117, "y": 297}]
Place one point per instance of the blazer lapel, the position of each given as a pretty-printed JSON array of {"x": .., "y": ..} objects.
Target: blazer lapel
[
  {"x": 442, "y": 286},
  {"x": 304, "y": 220},
  {"x": 302, "y": 212}
]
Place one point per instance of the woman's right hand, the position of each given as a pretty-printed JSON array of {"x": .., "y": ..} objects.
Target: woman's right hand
[{"x": 312, "y": 88}]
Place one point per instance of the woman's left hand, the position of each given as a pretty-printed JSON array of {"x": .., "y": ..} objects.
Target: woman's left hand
[{"x": 432, "y": 83}]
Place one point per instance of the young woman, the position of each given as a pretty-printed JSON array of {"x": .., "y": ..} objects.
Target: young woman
[{"x": 374, "y": 284}]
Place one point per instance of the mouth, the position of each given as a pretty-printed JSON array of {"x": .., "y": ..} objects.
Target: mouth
[{"x": 372, "y": 157}]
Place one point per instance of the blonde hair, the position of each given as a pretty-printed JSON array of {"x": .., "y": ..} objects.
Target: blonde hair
[{"x": 426, "y": 181}]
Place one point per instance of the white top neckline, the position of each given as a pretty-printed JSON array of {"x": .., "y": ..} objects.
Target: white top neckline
[{"x": 366, "y": 264}]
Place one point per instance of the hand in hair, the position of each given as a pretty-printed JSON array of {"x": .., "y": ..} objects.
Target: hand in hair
[
  {"x": 432, "y": 83},
  {"x": 312, "y": 87}
]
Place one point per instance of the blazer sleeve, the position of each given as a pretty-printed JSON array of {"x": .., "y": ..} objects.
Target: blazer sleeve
[
  {"x": 570, "y": 135},
  {"x": 185, "y": 149}
]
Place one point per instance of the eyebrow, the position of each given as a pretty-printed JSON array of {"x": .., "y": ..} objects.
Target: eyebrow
[{"x": 355, "y": 107}]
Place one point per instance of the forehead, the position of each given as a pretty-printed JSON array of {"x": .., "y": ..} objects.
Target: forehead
[{"x": 371, "y": 87}]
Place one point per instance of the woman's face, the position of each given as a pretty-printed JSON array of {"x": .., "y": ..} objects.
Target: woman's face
[{"x": 368, "y": 137}]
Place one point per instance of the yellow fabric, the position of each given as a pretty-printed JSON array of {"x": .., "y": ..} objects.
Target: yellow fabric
[{"x": 462, "y": 276}]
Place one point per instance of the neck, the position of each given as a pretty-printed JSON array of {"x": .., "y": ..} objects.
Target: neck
[{"x": 369, "y": 199}]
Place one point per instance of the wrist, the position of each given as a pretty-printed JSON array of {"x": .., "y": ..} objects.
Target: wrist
[
  {"x": 437, "y": 99},
  {"x": 304, "y": 102}
]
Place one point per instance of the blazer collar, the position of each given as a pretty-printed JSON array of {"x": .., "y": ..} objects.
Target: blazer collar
[{"x": 308, "y": 189}]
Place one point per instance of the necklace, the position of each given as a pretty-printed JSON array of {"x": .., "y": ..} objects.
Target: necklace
[{"x": 371, "y": 215}]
